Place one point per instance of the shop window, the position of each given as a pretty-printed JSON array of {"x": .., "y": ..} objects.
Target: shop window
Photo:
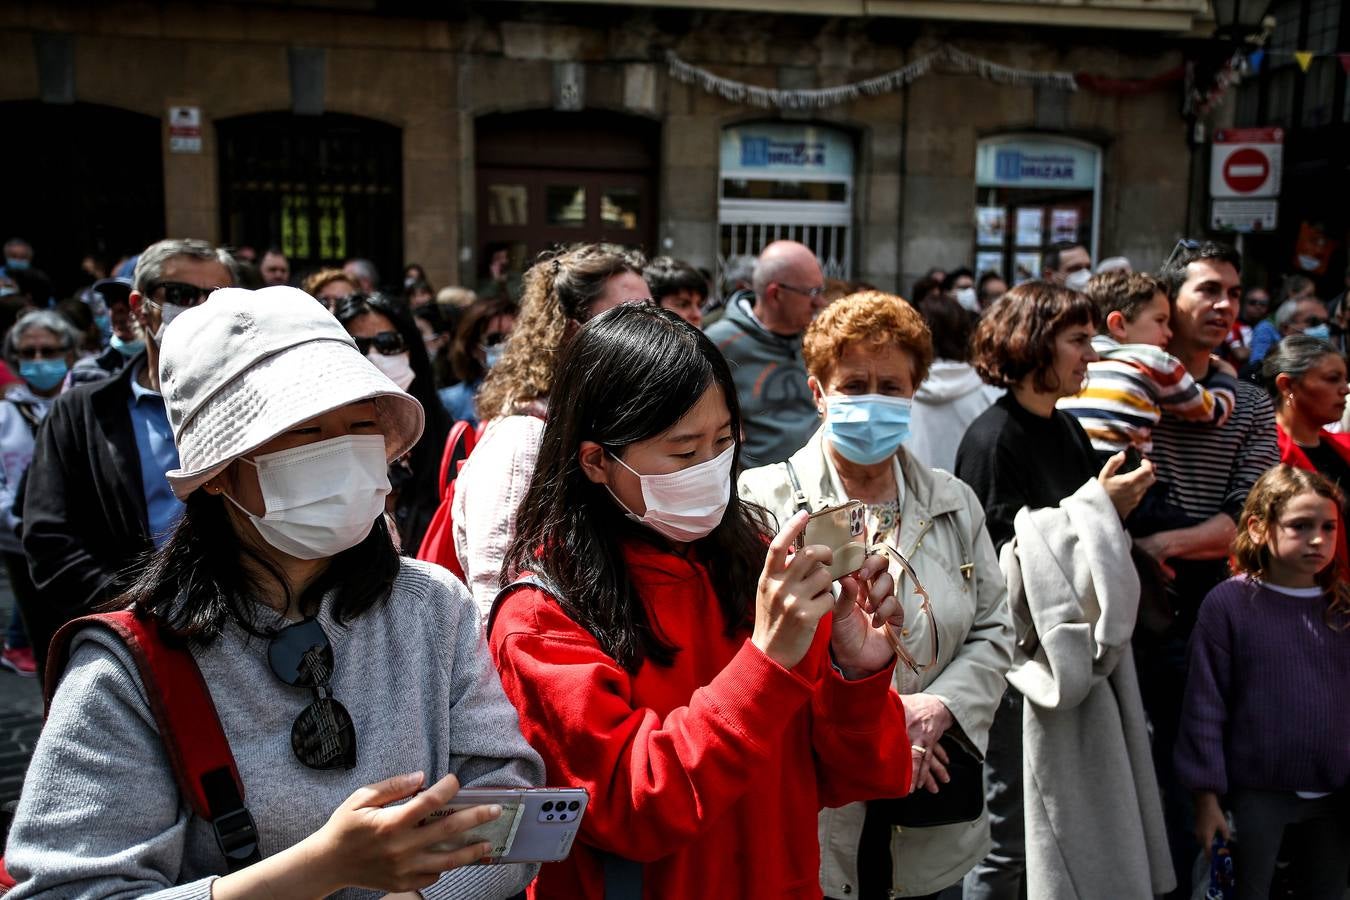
[
  {"x": 787, "y": 181},
  {"x": 1032, "y": 192},
  {"x": 322, "y": 188}
]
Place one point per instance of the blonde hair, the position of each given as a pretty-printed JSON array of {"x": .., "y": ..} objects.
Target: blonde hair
[
  {"x": 1267, "y": 500},
  {"x": 558, "y": 288},
  {"x": 323, "y": 278}
]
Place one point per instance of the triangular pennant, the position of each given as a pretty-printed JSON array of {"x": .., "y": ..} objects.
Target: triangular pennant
[
  {"x": 1304, "y": 58},
  {"x": 1255, "y": 58},
  {"x": 1345, "y": 61}
]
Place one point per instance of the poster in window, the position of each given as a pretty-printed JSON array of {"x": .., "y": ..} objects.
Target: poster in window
[
  {"x": 989, "y": 261},
  {"x": 1026, "y": 266},
  {"x": 991, "y": 225},
  {"x": 1063, "y": 225},
  {"x": 1030, "y": 232}
]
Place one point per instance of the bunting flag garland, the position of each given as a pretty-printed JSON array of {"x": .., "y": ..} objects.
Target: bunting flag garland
[
  {"x": 1305, "y": 58},
  {"x": 946, "y": 56}
]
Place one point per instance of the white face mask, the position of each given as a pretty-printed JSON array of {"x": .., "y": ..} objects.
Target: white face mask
[
  {"x": 1078, "y": 281},
  {"x": 321, "y": 498},
  {"x": 966, "y": 297},
  {"x": 397, "y": 368},
  {"x": 685, "y": 505},
  {"x": 167, "y": 313}
]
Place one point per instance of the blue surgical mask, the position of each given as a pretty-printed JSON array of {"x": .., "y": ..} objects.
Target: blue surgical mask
[
  {"x": 15, "y": 264},
  {"x": 492, "y": 354},
  {"x": 126, "y": 348},
  {"x": 1322, "y": 332},
  {"x": 43, "y": 374},
  {"x": 867, "y": 429}
]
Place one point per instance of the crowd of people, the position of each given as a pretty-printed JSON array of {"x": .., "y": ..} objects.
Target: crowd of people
[{"x": 1086, "y": 631}]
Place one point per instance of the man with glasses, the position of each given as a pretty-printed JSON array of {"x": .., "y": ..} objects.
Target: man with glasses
[
  {"x": 97, "y": 496},
  {"x": 1304, "y": 315},
  {"x": 1205, "y": 472},
  {"x": 762, "y": 339},
  {"x": 1255, "y": 307}
]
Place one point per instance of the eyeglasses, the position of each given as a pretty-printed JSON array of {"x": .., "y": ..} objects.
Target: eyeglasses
[
  {"x": 386, "y": 343},
  {"x": 323, "y": 736},
  {"x": 1314, "y": 321},
  {"x": 925, "y": 606},
  {"x": 1184, "y": 245},
  {"x": 179, "y": 293},
  {"x": 493, "y": 338},
  {"x": 814, "y": 293},
  {"x": 41, "y": 352}
]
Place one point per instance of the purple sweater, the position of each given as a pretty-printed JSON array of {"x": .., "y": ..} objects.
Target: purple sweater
[{"x": 1266, "y": 693}]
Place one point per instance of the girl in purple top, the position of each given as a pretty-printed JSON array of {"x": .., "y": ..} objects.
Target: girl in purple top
[{"x": 1264, "y": 732}]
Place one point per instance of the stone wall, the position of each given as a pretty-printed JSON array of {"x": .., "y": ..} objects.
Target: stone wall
[{"x": 915, "y": 183}]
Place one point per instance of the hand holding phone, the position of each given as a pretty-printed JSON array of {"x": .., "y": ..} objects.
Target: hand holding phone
[
  {"x": 841, "y": 529},
  {"x": 536, "y": 824}
]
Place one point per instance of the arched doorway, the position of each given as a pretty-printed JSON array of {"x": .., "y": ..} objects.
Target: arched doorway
[
  {"x": 80, "y": 179},
  {"x": 548, "y": 178},
  {"x": 322, "y": 188}
]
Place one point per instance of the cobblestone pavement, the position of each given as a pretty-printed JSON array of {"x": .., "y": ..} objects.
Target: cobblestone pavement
[{"x": 20, "y": 720}]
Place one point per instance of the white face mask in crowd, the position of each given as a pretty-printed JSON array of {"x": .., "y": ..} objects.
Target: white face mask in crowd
[
  {"x": 967, "y": 298},
  {"x": 1078, "y": 281},
  {"x": 685, "y": 505},
  {"x": 321, "y": 498},
  {"x": 396, "y": 367},
  {"x": 167, "y": 313}
]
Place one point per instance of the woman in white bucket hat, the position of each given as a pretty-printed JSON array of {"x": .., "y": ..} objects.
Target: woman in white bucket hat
[{"x": 346, "y": 678}]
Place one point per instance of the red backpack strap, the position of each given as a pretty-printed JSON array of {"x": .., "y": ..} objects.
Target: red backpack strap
[{"x": 189, "y": 726}]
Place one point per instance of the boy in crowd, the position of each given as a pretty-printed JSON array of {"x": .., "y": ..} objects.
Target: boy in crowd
[
  {"x": 678, "y": 287},
  {"x": 1136, "y": 379}
]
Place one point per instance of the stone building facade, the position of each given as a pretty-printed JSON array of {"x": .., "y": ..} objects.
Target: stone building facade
[{"x": 532, "y": 122}]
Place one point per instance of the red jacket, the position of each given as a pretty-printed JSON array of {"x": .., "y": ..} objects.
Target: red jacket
[
  {"x": 1292, "y": 454},
  {"x": 710, "y": 771}
]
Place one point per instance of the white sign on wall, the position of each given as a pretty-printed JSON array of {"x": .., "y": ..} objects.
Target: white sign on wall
[
  {"x": 785, "y": 150},
  {"x": 1245, "y": 163},
  {"x": 185, "y": 129}
]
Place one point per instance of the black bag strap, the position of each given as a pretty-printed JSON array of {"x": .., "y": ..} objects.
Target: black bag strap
[
  {"x": 28, "y": 414},
  {"x": 623, "y": 877}
]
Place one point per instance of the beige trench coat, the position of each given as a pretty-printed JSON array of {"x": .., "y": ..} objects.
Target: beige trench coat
[{"x": 942, "y": 533}]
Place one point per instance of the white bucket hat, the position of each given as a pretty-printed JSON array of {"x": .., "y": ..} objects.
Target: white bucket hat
[{"x": 246, "y": 366}]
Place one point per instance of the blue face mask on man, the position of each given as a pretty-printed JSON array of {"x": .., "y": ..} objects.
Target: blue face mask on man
[
  {"x": 43, "y": 374},
  {"x": 867, "y": 428},
  {"x": 1321, "y": 332},
  {"x": 126, "y": 348},
  {"x": 15, "y": 264}
]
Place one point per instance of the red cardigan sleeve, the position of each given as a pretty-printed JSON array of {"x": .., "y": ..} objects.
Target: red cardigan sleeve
[{"x": 654, "y": 783}]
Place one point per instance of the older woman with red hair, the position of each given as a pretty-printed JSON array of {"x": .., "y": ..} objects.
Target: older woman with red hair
[{"x": 866, "y": 354}]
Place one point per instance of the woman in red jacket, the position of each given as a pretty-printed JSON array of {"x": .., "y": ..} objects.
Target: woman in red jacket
[{"x": 710, "y": 695}]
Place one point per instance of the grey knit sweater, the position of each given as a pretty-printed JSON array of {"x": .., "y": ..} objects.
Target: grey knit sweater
[{"x": 101, "y": 815}]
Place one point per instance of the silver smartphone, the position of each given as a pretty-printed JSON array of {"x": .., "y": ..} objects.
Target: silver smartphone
[{"x": 536, "y": 824}]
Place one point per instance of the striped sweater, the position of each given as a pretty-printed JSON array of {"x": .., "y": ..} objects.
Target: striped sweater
[{"x": 1129, "y": 388}]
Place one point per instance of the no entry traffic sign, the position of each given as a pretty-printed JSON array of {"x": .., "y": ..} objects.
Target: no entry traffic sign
[{"x": 1246, "y": 163}]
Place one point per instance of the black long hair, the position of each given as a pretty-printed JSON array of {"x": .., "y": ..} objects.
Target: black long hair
[
  {"x": 628, "y": 375},
  {"x": 418, "y": 494},
  {"x": 195, "y": 583}
]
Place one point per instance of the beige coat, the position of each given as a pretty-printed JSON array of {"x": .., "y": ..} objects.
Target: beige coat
[{"x": 942, "y": 533}]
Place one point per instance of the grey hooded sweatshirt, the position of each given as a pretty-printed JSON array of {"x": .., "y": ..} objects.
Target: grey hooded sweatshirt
[{"x": 777, "y": 410}]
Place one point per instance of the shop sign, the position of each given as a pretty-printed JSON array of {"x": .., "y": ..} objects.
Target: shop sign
[
  {"x": 1245, "y": 162},
  {"x": 1035, "y": 164},
  {"x": 780, "y": 149}
]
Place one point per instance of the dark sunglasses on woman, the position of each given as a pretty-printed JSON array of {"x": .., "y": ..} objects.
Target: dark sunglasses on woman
[
  {"x": 386, "y": 343},
  {"x": 323, "y": 736}
]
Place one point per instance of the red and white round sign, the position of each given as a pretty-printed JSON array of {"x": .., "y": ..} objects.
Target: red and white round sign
[{"x": 1246, "y": 170}]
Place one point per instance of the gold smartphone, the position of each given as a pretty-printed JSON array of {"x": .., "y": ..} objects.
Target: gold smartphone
[{"x": 841, "y": 529}]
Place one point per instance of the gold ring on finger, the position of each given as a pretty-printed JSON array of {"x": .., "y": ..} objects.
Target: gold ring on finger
[{"x": 920, "y": 747}]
